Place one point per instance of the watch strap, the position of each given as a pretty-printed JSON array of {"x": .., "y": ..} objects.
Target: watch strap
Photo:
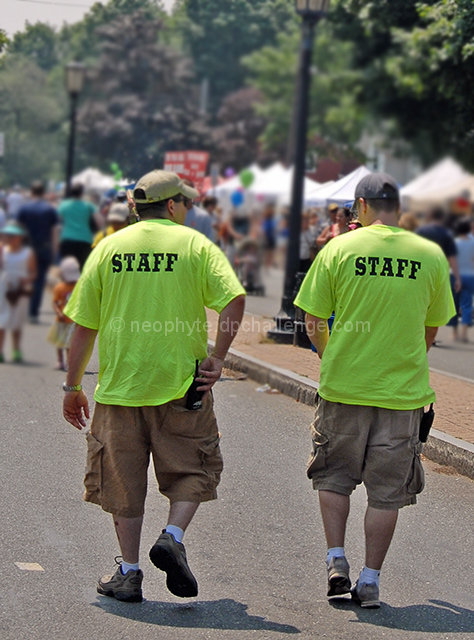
[{"x": 72, "y": 387}]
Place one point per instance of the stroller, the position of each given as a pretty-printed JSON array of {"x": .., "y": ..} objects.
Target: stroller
[{"x": 248, "y": 261}]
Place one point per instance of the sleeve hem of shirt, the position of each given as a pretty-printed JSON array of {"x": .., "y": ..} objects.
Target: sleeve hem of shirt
[
  {"x": 223, "y": 304},
  {"x": 83, "y": 322}
]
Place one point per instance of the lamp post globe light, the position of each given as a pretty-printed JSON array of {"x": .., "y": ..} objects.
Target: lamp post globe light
[
  {"x": 311, "y": 12},
  {"x": 75, "y": 75}
]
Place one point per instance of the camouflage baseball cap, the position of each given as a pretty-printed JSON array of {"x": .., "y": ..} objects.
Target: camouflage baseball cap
[{"x": 160, "y": 185}]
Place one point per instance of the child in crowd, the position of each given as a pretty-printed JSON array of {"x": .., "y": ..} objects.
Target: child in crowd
[
  {"x": 61, "y": 331},
  {"x": 17, "y": 274}
]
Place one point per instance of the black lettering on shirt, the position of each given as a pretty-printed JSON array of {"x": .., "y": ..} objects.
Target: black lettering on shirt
[
  {"x": 172, "y": 257},
  {"x": 402, "y": 264},
  {"x": 143, "y": 265},
  {"x": 387, "y": 268},
  {"x": 373, "y": 261},
  {"x": 116, "y": 263},
  {"x": 158, "y": 258},
  {"x": 415, "y": 266},
  {"x": 129, "y": 257},
  {"x": 360, "y": 267}
]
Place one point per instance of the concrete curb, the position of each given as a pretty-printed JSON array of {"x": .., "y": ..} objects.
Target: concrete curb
[{"x": 440, "y": 447}]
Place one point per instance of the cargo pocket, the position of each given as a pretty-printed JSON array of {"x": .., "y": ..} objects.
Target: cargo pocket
[
  {"x": 317, "y": 459},
  {"x": 211, "y": 461},
  {"x": 93, "y": 478},
  {"x": 416, "y": 484}
]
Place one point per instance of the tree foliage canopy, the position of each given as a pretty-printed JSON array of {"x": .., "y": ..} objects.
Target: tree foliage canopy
[
  {"x": 220, "y": 32},
  {"x": 418, "y": 69},
  {"x": 404, "y": 67},
  {"x": 141, "y": 104}
]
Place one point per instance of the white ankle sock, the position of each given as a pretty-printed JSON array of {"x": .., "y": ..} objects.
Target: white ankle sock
[
  {"x": 176, "y": 531},
  {"x": 335, "y": 552},
  {"x": 125, "y": 566},
  {"x": 369, "y": 576}
]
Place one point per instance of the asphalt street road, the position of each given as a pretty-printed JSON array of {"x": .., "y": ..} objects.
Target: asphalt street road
[
  {"x": 257, "y": 551},
  {"x": 447, "y": 356}
]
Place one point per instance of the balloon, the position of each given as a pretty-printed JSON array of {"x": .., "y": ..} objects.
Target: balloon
[
  {"x": 246, "y": 177},
  {"x": 237, "y": 198},
  {"x": 229, "y": 172},
  {"x": 118, "y": 175}
]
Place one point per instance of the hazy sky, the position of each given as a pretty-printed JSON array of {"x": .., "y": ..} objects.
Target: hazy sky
[{"x": 15, "y": 13}]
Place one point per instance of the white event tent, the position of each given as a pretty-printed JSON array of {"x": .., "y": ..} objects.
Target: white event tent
[
  {"x": 462, "y": 189},
  {"x": 276, "y": 183},
  {"x": 228, "y": 187},
  {"x": 94, "y": 180},
  {"x": 223, "y": 192},
  {"x": 272, "y": 184},
  {"x": 444, "y": 175},
  {"x": 339, "y": 192}
]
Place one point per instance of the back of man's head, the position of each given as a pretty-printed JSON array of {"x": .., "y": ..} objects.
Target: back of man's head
[
  {"x": 156, "y": 188},
  {"x": 76, "y": 190},
  {"x": 380, "y": 191},
  {"x": 437, "y": 215},
  {"x": 463, "y": 227},
  {"x": 37, "y": 189}
]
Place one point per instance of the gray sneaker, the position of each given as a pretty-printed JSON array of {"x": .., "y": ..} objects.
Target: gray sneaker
[
  {"x": 367, "y": 595},
  {"x": 170, "y": 556},
  {"x": 126, "y": 588},
  {"x": 338, "y": 577}
]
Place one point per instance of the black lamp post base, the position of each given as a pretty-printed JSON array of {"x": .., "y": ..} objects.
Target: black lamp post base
[
  {"x": 290, "y": 325},
  {"x": 284, "y": 331}
]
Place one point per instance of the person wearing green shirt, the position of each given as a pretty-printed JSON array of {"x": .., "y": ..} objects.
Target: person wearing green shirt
[
  {"x": 389, "y": 291},
  {"x": 144, "y": 291}
]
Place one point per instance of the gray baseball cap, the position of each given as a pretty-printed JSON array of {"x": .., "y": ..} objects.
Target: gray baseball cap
[{"x": 377, "y": 186}]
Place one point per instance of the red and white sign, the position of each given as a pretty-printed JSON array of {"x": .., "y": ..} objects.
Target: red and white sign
[{"x": 187, "y": 164}]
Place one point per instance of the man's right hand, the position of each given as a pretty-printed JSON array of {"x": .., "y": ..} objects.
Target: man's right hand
[{"x": 76, "y": 408}]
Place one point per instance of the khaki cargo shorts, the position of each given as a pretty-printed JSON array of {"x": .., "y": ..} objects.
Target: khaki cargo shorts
[
  {"x": 379, "y": 447},
  {"x": 184, "y": 445}
]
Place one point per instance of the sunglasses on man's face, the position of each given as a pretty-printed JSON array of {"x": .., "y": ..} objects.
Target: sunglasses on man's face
[{"x": 355, "y": 207}]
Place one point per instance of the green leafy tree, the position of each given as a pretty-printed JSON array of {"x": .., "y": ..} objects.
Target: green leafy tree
[
  {"x": 335, "y": 120},
  {"x": 30, "y": 117},
  {"x": 143, "y": 100},
  {"x": 236, "y": 138},
  {"x": 418, "y": 64},
  {"x": 39, "y": 43},
  {"x": 3, "y": 40},
  {"x": 82, "y": 40},
  {"x": 218, "y": 33}
]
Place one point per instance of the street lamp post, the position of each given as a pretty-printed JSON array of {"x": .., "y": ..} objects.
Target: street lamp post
[
  {"x": 311, "y": 12},
  {"x": 75, "y": 73}
]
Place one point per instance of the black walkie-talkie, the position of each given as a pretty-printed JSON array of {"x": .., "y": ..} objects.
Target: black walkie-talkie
[
  {"x": 194, "y": 397},
  {"x": 425, "y": 424}
]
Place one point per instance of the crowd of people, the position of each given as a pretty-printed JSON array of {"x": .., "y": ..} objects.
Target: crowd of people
[
  {"x": 155, "y": 245},
  {"x": 40, "y": 229}
]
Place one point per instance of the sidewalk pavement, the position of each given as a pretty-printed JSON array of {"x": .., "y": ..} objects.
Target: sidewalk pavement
[{"x": 295, "y": 372}]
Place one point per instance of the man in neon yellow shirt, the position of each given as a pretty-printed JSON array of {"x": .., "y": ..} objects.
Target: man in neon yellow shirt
[
  {"x": 144, "y": 290},
  {"x": 389, "y": 290}
]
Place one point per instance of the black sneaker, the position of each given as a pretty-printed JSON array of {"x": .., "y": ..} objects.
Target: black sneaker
[
  {"x": 338, "y": 577},
  {"x": 126, "y": 588},
  {"x": 170, "y": 556}
]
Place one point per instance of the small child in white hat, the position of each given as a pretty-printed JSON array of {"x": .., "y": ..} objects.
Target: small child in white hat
[{"x": 61, "y": 332}]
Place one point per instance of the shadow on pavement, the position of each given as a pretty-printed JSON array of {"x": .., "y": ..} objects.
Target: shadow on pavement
[
  {"x": 217, "y": 614},
  {"x": 438, "y": 617}
]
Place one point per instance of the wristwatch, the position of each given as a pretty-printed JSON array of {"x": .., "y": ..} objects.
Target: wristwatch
[{"x": 72, "y": 387}]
